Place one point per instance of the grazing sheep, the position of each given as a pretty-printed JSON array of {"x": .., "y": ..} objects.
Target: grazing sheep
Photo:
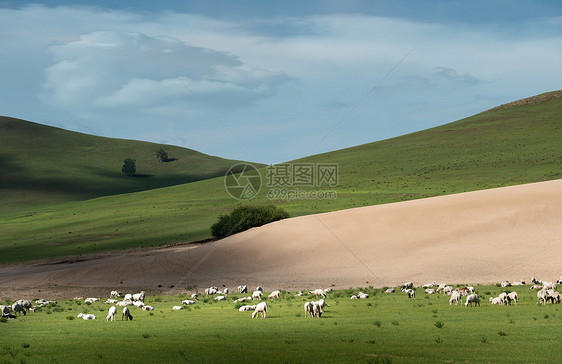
[
  {"x": 195, "y": 296},
  {"x": 147, "y": 308},
  {"x": 256, "y": 295},
  {"x": 553, "y": 296},
  {"x": 177, "y": 308},
  {"x": 503, "y": 297},
  {"x": 274, "y": 294},
  {"x": 26, "y": 304},
  {"x": 115, "y": 294},
  {"x": 322, "y": 303},
  {"x": 260, "y": 308},
  {"x": 390, "y": 290},
  {"x": 542, "y": 296},
  {"x": 473, "y": 298},
  {"x": 470, "y": 289},
  {"x": 187, "y": 302},
  {"x": 87, "y": 316},
  {"x": 242, "y": 289},
  {"x": 549, "y": 285},
  {"x": 318, "y": 292},
  {"x": 448, "y": 290},
  {"x": 495, "y": 300},
  {"x": 317, "y": 310},
  {"x": 139, "y": 296},
  {"x": 410, "y": 292},
  {"x": 308, "y": 309},
  {"x": 247, "y": 308},
  {"x": 441, "y": 287},
  {"x": 18, "y": 308},
  {"x": 111, "y": 301},
  {"x": 258, "y": 288},
  {"x": 505, "y": 284},
  {"x": 128, "y": 297},
  {"x": 512, "y": 296},
  {"x": 455, "y": 297},
  {"x": 429, "y": 290},
  {"x": 4, "y": 310},
  {"x": 220, "y": 298},
  {"x": 407, "y": 285},
  {"x": 138, "y": 303},
  {"x": 536, "y": 286},
  {"x": 111, "y": 314},
  {"x": 463, "y": 291},
  {"x": 126, "y": 314}
]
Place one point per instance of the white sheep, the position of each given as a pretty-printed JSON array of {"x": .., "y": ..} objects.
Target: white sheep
[
  {"x": 362, "y": 295},
  {"x": 91, "y": 300},
  {"x": 407, "y": 285},
  {"x": 220, "y": 298},
  {"x": 536, "y": 286},
  {"x": 139, "y": 296},
  {"x": 455, "y": 297},
  {"x": 111, "y": 301},
  {"x": 4, "y": 310},
  {"x": 308, "y": 309},
  {"x": 128, "y": 297},
  {"x": 115, "y": 294},
  {"x": 429, "y": 290},
  {"x": 411, "y": 293},
  {"x": 256, "y": 295},
  {"x": 503, "y": 298},
  {"x": 258, "y": 288},
  {"x": 473, "y": 298},
  {"x": 559, "y": 281},
  {"x": 26, "y": 304},
  {"x": 274, "y": 294},
  {"x": 354, "y": 297},
  {"x": 505, "y": 284},
  {"x": 126, "y": 314},
  {"x": 322, "y": 303},
  {"x": 535, "y": 281},
  {"x": 318, "y": 292},
  {"x": 542, "y": 296},
  {"x": 495, "y": 300},
  {"x": 18, "y": 308},
  {"x": 549, "y": 285},
  {"x": 317, "y": 310},
  {"x": 247, "y": 308},
  {"x": 147, "y": 308},
  {"x": 328, "y": 290},
  {"x": 87, "y": 316},
  {"x": 111, "y": 314},
  {"x": 187, "y": 302},
  {"x": 448, "y": 290},
  {"x": 441, "y": 287},
  {"x": 243, "y": 299},
  {"x": 389, "y": 290},
  {"x": 225, "y": 291},
  {"x": 138, "y": 303},
  {"x": 512, "y": 296},
  {"x": 429, "y": 285},
  {"x": 195, "y": 296},
  {"x": 553, "y": 296},
  {"x": 260, "y": 308},
  {"x": 211, "y": 291},
  {"x": 242, "y": 289},
  {"x": 177, "y": 308},
  {"x": 518, "y": 283}
]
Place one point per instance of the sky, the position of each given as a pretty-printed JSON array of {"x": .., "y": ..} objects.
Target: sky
[{"x": 271, "y": 81}]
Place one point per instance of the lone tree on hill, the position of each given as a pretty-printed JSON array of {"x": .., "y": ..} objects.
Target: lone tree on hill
[
  {"x": 162, "y": 154},
  {"x": 129, "y": 167}
]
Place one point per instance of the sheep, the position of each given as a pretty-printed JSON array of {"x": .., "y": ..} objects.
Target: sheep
[
  {"x": 8, "y": 315},
  {"x": 243, "y": 299},
  {"x": 448, "y": 290},
  {"x": 455, "y": 297},
  {"x": 470, "y": 289},
  {"x": 187, "y": 302},
  {"x": 211, "y": 291},
  {"x": 317, "y": 310},
  {"x": 177, "y": 308},
  {"x": 553, "y": 296},
  {"x": 4, "y": 310},
  {"x": 124, "y": 303},
  {"x": 318, "y": 292},
  {"x": 429, "y": 285},
  {"x": 18, "y": 308},
  {"x": 407, "y": 285},
  {"x": 147, "y": 308},
  {"x": 195, "y": 296},
  {"x": 495, "y": 300},
  {"x": 111, "y": 301},
  {"x": 260, "y": 308},
  {"x": 505, "y": 284},
  {"x": 463, "y": 291},
  {"x": 536, "y": 286},
  {"x": 225, "y": 291},
  {"x": 138, "y": 303},
  {"x": 220, "y": 298},
  {"x": 389, "y": 290},
  {"x": 503, "y": 298},
  {"x": 542, "y": 296},
  {"x": 87, "y": 316},
  {"x": 327, "y": 290},
  {"x": 111, "y": 314},
  {"x": 518, "y": 283},
  {"x": 126, "y": 314},
  {"x": 411, "y": 293},
  {"x": 441, "y": 287},
  {"x": 247, "y": 308},
  {"x": 559, "y": 281},
  {"x": 549, "y": 285},
  {"x": 308, "y": 309},
  {"x": 26, "y": 304},
  {"x": 535, "y": 281},
  {"x": 322, "y": 303},
  {"x": 512, "y": 296},
  {"x": 139, "y": 296},
  {"x": 362, "y": 295},
  {"x": 299, "y": 294},
  {"x": 115, "y": 294},
  {"x": 274, "y": 294},
  {"x": 242, "y": 289},
  {"x": 128, "y": 297},
  {"x": 473, "y": 298},
  {"x": 429, "y": 291},
  {"x": 258, "y": 288},
  {"x": 354, "y": 297},
  {"x": 91, "y": 300},
  {"x": 256, "y": 295}
]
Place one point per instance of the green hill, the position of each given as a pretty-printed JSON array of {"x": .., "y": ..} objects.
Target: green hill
[
  {"x": 42, "y": 165},
  {"x": 513, "y": 144}
]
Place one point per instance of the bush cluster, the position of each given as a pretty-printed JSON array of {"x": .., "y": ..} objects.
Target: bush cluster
[{"x": 246, "y": 217}]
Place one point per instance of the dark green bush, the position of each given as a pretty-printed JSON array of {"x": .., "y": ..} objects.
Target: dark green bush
[{"x": 246, "y": 217}]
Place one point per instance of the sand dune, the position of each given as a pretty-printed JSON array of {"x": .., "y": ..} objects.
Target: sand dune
[{"x": 477, "y": 237}]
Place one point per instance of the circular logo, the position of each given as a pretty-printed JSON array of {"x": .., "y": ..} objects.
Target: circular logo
[{"x": 242, "y": 181}]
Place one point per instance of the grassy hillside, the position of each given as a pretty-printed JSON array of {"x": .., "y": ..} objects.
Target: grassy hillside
[
  {"x": 507, "y": 146},
  {"x": 44, "y": 165}
]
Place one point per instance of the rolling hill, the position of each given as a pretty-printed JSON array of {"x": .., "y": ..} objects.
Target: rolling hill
[
  {"x": 44, "y": 165},
  {"x": 513, "y": 144}
]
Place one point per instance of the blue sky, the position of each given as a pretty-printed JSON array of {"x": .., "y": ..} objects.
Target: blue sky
[{"x": 268, "y": 81}]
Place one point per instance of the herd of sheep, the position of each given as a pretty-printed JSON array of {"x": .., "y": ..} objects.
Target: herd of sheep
[{"x": 546, "y": 293}]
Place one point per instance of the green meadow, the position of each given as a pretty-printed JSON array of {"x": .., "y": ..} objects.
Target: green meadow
[
  {"x": 500, "y": 147},
  {"x": 385, "y": 328}
]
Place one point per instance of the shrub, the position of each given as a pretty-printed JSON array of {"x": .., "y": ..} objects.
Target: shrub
[
  {"x": 439, "y": 324},
  {"x": 502, "y": 333},
  {"x": 246, "y": 217},
  {"x": 70, "y": 317}
]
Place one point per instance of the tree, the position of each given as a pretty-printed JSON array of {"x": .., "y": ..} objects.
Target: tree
[
  {"x": 129, "y": 167},
  {"x": 162, "y": 154},
  {"x": 246, "y": 217}
]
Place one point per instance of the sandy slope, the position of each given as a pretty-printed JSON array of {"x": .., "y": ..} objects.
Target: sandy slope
[{"x": 476, "y": 237}]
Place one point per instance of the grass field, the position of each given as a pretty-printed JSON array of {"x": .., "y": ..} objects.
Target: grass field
[
  {"x": 507, "y": 146},
  {"x": 385, "y": 328}
]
